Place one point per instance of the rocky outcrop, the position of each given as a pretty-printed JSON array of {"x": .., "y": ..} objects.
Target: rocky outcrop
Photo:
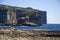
[
  {"x": 21, "y": 16},
  {"x": 13, "y": 34}
]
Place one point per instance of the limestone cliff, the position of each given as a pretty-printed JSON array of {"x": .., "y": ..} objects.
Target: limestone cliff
[{"x": 11, "y": 15}]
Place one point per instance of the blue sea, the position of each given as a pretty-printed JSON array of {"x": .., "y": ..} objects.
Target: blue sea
[{"x": 43, "y": 27}]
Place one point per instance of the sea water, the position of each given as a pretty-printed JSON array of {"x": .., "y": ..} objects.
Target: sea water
[{"x": 43, "y": 27}]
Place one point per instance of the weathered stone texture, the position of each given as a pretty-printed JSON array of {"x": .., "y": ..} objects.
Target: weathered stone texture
[
  {"x": 13, "y": 34},
  {"x": 22, "y": 16}
]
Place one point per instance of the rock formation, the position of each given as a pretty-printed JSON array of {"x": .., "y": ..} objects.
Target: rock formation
[
  {"x": 13, "y": 34},
  {"x": 21, "y": 16}
]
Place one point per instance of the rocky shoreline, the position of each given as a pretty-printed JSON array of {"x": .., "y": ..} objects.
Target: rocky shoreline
[{"x": 13, "y": 34}]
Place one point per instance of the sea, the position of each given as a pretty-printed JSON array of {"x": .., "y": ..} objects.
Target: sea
[{"x": 43, "y": 27}]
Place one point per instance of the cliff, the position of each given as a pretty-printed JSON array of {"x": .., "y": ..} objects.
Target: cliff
[{"x": 12, "y": 15}]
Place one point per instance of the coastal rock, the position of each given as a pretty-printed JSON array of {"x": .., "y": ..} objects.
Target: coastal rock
[{"x": 13, "y": 34}]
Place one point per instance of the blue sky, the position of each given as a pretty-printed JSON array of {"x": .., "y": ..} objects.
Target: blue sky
[{"x": 51, "y": 6}]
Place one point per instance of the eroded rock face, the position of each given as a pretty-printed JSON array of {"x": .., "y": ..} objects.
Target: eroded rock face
[
  {"x": 21, "y": 16},
  {"x": 13, "y": 34}
]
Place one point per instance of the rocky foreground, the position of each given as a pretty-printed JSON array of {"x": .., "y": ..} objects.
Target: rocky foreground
[{"x": 13, "y": 34}]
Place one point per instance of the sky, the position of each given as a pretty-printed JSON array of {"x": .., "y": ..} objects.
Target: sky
[{"x": 51, "y": 6}]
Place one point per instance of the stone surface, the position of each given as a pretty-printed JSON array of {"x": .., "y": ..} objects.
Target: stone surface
[{"x": 13, "y": 34}]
